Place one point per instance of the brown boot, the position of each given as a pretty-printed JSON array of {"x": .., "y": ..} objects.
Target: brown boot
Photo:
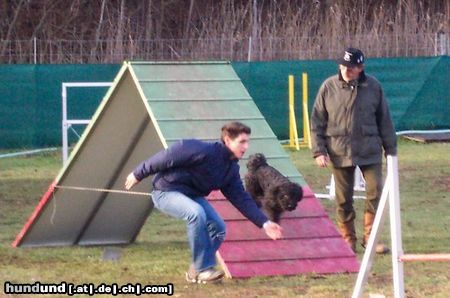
[
  {"x": 369, "y": 218},
  {"x": 347, "y": 230}
]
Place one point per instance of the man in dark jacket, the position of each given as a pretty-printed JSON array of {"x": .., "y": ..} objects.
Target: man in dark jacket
[
  {"x": 188, "y": 171},
  {"x": 350, "y": 124}
]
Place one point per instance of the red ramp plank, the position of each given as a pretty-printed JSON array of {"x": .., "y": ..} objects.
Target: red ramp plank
[
  {"x": 288, "y": 249},
  {"x": 310, "y": 243},
  {"x": 307, "y": 208},
  {"x": 294, "y": 228},
  {"x": 45, "y": 198},
  {"x": 293, "y": 267}
]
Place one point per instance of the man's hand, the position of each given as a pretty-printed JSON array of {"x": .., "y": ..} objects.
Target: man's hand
[
  {"x": 273, "y": 230},
  {"x": 131, "y": 181},
  {"x": 322, "y": 161}
]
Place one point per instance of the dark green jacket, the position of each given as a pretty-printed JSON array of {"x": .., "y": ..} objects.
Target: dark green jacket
[{"x": 351, "y": 122}]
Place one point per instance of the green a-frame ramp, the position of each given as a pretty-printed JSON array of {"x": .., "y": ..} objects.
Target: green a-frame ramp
[{"x": 150, "y": 106}]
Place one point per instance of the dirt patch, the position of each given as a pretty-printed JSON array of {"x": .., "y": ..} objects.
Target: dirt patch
[{"x": 441, "y": 184}]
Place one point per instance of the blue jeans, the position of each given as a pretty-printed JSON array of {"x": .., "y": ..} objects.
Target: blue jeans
[{"x": 205, "y": 228}]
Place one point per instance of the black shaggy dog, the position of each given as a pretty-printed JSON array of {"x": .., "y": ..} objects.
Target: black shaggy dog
[{"x": 270, "y": 189}]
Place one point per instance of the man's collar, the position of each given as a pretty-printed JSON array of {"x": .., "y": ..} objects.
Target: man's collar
[
  {"x": 226, "y": 153},
  {"x": 361, "y": 79}
]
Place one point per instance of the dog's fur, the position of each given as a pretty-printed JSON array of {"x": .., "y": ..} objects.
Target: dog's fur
[{"x": 270, "y": 189}]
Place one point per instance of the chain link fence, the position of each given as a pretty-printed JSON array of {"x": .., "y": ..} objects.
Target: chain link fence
[{"x": 41, "y": 51}]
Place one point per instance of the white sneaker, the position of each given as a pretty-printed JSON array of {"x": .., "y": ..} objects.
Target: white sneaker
[{"x": 210, "y": 275}]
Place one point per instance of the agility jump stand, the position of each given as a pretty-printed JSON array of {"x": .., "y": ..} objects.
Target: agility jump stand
[
  {"x": 358, "y": 186},
  {"x": 293, "y": 133},
  {"x": 390, "y": 196},
  {"x": 67, "y": 123}
]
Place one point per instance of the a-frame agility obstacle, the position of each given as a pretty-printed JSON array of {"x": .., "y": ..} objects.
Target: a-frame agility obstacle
[{"x": 148, "y": 107}]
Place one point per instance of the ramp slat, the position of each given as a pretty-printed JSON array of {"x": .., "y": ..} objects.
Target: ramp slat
[
  {"x": 294, "y": 228},
  {"x": 290, "y": 249},
  {"x": 293, "y": 267},
  {"x": 306, "y": 208}
]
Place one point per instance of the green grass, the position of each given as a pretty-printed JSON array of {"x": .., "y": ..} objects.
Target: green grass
[{"x": 160, "y": 254}]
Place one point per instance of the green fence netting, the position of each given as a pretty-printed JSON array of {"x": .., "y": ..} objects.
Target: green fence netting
[
  {"x": 417, "y": 90},
  {"x": 30, "y": 101}
]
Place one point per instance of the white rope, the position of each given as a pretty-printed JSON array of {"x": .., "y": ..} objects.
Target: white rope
[
  {"x": 104, "y": 190},
  {"x": 52, "y": 217},
  {"x": 437, "y": 131},
  {"x": 14, "y": 154}
]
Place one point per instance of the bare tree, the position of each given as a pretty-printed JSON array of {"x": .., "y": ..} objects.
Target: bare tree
[
  {"x": 109, "y": 31},
  {"x": 11, "y": 26}
]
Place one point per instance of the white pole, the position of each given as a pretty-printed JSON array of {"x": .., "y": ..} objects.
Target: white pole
[
  {"x": 442, "y": 43},
  {"x": 366, "y": 263},
  {"x": 332, "y": 188},
  {"x": 360, "y": 183},
  {"x": 396, "y": 232},
  {"x": 65, "y": 140},
  {"x": 391, "y": 196},
  {"x": 436, "y": 44},
  {"x": 35, "y": 50},
  {"x": 28, "y": 152},
  {"x": 404, "y": 132},
  {"x": 249, "y": 57}
]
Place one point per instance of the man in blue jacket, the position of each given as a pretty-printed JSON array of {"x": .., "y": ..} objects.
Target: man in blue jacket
[{"x": 188, "y": 171}]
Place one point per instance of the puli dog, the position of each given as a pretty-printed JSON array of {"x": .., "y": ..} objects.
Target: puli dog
[{"x": 270, "y": 189}]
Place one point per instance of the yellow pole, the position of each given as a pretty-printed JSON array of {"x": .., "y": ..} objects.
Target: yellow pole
[
  {"x": 293, "y": 135},
  {"x": 291, "y": 104},
  {"x": 306, "y": 128}
]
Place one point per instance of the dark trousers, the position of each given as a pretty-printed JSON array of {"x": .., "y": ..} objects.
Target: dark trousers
[{"x": 344, "y": 179}]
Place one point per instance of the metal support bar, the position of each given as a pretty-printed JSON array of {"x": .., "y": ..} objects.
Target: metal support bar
[
  {"x": 391, "y": 197},
  {"x": 396, "y": 230},
  {"x": 366, "y": 263},
  {"x": 425, "y": 257}
]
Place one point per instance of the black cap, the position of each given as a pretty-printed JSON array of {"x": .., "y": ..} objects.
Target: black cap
[{"x": 351, "y": 57}]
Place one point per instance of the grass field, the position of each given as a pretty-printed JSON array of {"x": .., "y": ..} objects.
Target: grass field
[{"x": 160, "y": 254}]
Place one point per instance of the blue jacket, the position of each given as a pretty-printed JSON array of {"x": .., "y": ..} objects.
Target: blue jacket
[{"x": 195, "y": 168}]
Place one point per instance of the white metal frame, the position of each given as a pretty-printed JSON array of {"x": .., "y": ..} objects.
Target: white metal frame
[
  {"x": 390, "y": 196},
  {"x": 359, "y": 185},
  {"x": 67, "y": 123},
  {"x": 359, "y": 179}
]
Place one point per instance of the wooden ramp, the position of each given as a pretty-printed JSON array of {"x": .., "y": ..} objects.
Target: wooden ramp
[{"x": 311, "y": 243}]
